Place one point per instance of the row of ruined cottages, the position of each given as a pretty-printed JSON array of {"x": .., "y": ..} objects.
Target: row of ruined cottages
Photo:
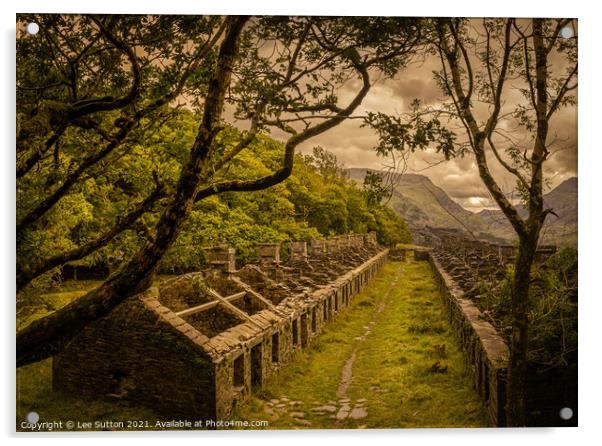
[{"x": 200, "y": 343}]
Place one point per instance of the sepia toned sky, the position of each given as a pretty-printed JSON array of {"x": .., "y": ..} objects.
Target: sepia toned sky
[{"x": 353, "y": 145}]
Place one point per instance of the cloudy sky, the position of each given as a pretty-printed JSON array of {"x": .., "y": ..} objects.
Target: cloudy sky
[{"x": 459, "y": 178}]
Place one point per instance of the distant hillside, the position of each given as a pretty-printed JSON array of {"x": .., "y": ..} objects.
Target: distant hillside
[
  {"x": 422, "y": 204},
  {"x": 561, "y": 229}
]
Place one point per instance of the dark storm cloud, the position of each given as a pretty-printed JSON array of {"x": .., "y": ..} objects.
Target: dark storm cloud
[
  {"x": 410, "y": 88},
  {"x": 354, "y": 146}
]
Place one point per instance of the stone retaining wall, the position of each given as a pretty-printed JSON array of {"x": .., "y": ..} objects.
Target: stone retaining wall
[{"x": 485, "y": 351}]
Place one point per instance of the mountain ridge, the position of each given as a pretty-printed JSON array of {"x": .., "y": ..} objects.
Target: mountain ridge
[
  {"x": 558, "y": 229},
  {"x": 423, "y": 204}
]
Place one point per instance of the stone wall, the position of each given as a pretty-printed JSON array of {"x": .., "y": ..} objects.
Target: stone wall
[
  {"x": 485, "y": 351},
  {"x": 203, "y": 342},
  {"x": 461, "y": 267},
  {"x": 277, "y": 333},
  {"x": 141, "y": 352}
]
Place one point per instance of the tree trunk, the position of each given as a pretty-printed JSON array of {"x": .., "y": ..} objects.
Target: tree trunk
[
  {"x": 47, "y": 336},
  {"x": 517, "y": 372}
]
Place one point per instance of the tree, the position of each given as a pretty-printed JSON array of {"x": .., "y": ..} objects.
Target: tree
[
  {"x": 89, "y": 88},
  {"x": 106, "y": 82},
  {"x": 525, "y": 50},
  {"x": 374, "y": 189},
  {"x": 479, "y": 60},
  {"x": 327, "y": 164}
]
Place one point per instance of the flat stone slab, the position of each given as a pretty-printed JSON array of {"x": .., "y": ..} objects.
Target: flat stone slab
[
  {"x": 326, "y": 408},
  {"x": 342, "y": 414},
  {"x": 358, "y": 412}
]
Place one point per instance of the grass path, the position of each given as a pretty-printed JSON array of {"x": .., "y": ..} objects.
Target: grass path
[{"x": 389, "y": 360}]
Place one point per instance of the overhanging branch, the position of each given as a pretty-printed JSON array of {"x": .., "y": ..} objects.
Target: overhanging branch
[
  {"x": 26, "y": 275},
  {"x": 290, "y": 146}
]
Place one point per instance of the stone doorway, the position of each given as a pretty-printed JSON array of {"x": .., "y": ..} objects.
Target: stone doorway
[{"x": 256, "y": 366}]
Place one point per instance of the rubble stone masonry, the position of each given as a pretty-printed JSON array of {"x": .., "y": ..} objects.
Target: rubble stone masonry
[{"x": 203, "y": 342}]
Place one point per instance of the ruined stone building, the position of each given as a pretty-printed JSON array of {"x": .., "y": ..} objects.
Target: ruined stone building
[
  {"x": 203, "y": 342},
  {"x": 461, "y": 266}
]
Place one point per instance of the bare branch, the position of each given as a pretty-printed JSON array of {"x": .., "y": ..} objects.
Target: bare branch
[
  {"x": 562, "y": 92},
  {"x": 88, "y": 106},
  {"x": 460, "y": 44},
  {"x": 509, "y": 168},
  {"x": 28, "y": 164},
  {"x": 527, "y": 57},
  {"x": 478, "y": 139},
  {"x": 497, "y": 97}
]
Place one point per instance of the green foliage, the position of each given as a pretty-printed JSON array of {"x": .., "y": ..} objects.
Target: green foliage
[
  {"x": 374, "y": 190},
  {"x": 326, "y": 163},
  {"x": 101, "y": 142},
  {"x": 317, "y": 200},
  {"x": 552, "y": 312},
  {"x": 390, "y": 229},
  {"x": 410, "y": 133},
  {"x": 96, "y": 204}
]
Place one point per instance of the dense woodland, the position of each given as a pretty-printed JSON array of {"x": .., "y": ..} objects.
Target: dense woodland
[{"x": 316, "y": 200}]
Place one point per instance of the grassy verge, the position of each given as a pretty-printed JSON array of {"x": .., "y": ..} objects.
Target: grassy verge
[
  {"x": 409, "y": 368},
  {"x": 34, "y": 393}
]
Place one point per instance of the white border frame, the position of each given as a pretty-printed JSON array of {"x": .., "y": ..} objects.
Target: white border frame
[{"x": 590, "y": 172}]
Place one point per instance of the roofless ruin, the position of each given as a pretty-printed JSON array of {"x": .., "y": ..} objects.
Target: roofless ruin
[{"x": 203, "y": 342}]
